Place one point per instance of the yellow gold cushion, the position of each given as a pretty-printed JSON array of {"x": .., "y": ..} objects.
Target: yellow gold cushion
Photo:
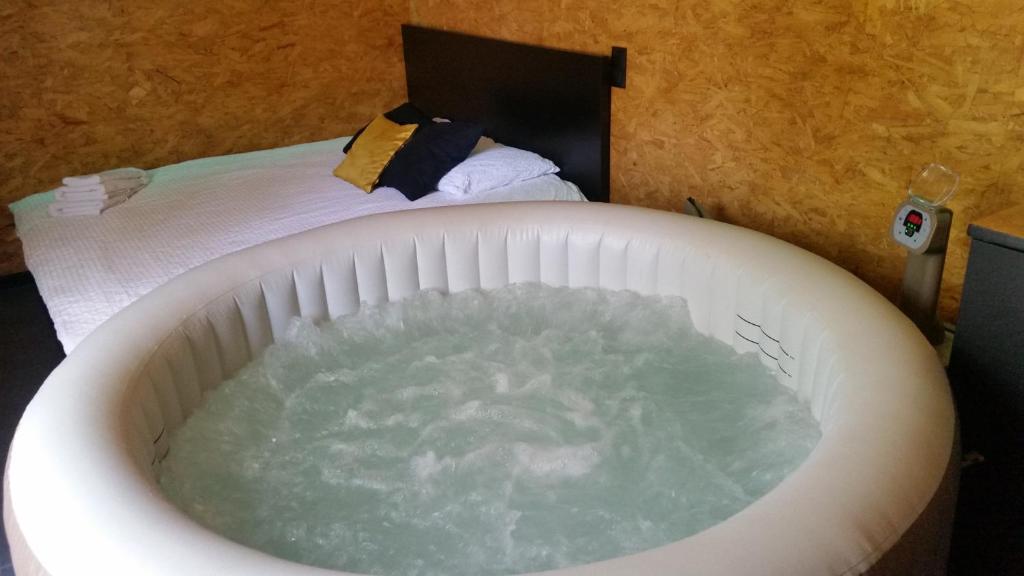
[{"x": 372, "y": 152}]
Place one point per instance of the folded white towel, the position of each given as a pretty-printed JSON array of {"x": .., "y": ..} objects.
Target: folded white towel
[
  {"x": 115, "y": 189},
  {"x": 62, "y": 208},
  {"x": 107, "y": 176}
]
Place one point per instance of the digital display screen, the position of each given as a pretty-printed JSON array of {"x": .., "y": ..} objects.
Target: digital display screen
[{"x": 912, "y": 223}]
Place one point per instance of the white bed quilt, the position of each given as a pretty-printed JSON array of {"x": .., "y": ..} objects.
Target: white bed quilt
[{"x": 89, "y": 267}]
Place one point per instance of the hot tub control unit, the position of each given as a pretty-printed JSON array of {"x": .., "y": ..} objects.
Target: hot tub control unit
[{"x": 921, "y": 225}]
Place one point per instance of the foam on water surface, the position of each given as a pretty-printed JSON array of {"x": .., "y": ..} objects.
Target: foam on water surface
[{"x": 486, "y": 432}]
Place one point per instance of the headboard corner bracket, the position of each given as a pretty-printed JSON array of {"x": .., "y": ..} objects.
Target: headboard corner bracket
[{"x": 618, "y": 63}]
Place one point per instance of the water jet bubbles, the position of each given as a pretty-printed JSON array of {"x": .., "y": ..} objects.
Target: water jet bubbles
[{"x": 486, "y": 432}]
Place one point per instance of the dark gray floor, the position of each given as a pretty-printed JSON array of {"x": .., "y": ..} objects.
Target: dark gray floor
[
  {"x": 28, "y": 352},
  {"x": 988, "y": 536}
]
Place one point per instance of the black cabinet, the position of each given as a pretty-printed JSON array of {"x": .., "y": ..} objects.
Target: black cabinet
[{"x": 987, "y": 363}]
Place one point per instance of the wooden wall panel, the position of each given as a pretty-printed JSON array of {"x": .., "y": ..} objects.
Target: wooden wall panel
[
  {"x": 803, "y": 119},
  {"x": 92, "y": 84}
]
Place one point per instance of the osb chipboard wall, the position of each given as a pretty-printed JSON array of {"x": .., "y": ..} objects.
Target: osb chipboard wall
[
  {"x": 801, "y": 119},
  {"x": 87, "y": 85}
]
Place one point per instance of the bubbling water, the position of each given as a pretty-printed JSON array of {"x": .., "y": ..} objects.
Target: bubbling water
[{"x": 486, "y": 432}]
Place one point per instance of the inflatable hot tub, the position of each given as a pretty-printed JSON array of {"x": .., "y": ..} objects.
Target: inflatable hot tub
[{"x": 874, "y": 497}]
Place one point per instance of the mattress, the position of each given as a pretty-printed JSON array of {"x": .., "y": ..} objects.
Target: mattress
[{"x": 89, "y": 267}]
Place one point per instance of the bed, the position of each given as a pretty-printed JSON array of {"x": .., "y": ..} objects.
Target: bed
[{"x": 555, "y": 103}]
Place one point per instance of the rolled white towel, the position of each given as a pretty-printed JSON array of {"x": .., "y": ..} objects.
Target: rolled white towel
[
  {"x": 63, "y": 208},
  {"x": 114, "y": 189},
  {"x": 130, "y": 174}
]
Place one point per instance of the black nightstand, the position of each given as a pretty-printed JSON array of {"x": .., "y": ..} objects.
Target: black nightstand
[
  {"x": 986, "y": 367},
  {"x": 986, "y": 371}
]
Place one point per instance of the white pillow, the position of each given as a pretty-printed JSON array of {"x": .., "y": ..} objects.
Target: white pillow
[{"x": 491, "y": 165}]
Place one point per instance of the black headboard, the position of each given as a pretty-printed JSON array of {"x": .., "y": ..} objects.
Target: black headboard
[{"x": 553, "y": 102}]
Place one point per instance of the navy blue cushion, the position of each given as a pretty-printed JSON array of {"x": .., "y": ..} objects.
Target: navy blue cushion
[
  {"x": 404, "y": 114},
  {"x": 433, "y": 150}
]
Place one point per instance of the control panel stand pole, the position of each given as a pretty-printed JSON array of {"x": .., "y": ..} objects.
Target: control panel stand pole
[{"x": 919, "y": 297}]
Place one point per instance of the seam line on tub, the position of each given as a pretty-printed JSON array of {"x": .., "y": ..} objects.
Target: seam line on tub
[
  {"x": 323, "y": 285},
  {"x": 479, "y": 264},
  {"x": 444, "y": 256},
  {"x": 384, "y": 268},
  {"x": 160, "y": 435},
  {"x": 767, "y": 335},
  {"x": 245, "y": 326},
  {"x": 416, "y": 261}
]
